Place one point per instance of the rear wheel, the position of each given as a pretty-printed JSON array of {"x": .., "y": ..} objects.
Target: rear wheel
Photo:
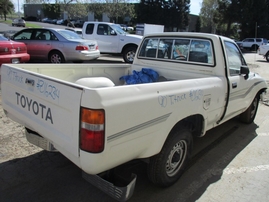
[
  {"x": 165, "y": 168},
  {"x": 248, "y": 116},
  {"x": 56, "y": 57},
  {"x": 267, "y": 56},
  {"x": 254, "y": 47},
  {"x": 129, "y": 54}
]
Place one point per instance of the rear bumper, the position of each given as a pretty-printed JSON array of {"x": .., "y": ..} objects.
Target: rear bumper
[
  {"x": 84, "y": 55},
  {"x": 23, "y": 57}
]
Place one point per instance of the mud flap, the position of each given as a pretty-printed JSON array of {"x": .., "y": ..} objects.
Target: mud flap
[{"x": 123, "y": 192}]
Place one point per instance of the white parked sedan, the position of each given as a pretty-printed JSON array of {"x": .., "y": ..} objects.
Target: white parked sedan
[{"x": 57, "y": 45}]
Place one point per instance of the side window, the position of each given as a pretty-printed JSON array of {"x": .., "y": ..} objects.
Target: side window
[
  {"x": 104, "y": 29},
  {"x": 89, "y": 29},
  {"x": 234, "y": 58},
  {"x": 42, "y": 35},
  {"x": 24, "y": 35},
  {"x": 53, "y": 37},
  {"x": 149, "y": 48}
]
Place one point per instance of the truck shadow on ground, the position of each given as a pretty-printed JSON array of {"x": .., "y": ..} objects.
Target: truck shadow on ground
[{"x": 47, "y": 176}]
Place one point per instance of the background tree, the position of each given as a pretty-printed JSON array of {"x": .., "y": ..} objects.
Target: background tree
[
  {"x": 51, "y": 10},
  {"x": 173, "y": 14},
  {"x": 117, "y": 10},
  {"x": 209, "y": 14},
  {"x": 6, "y": 7},
  {"x": 198, "y": 25}
]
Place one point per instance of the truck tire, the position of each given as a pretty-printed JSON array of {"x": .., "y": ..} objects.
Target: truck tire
[
  {"x": 129, "y": 54},
  {"x": 248, "y": 116},
  {"x": 165, "y": 168},
  {"x": 56, "y": 57},
  {"x": 254, "y": 47},
  {"x": 267, "y": 56}
]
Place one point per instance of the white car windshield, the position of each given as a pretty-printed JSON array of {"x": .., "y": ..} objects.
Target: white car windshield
[
  {"x": 69, "y": 34},
  {"x": 118, "y": 29}
]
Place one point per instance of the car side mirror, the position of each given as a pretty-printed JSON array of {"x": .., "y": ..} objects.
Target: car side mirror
[
  {"x": 113, "y": 32},
  {"x": 244, "y": 70}
]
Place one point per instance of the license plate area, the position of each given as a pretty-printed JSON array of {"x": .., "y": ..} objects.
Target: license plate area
[{"x": 15, "y": 60}]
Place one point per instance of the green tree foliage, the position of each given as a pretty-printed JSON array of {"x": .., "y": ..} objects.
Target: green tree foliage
[
  {"x": 173, "y": 14},
  {"x": 118, "y": 9},
  {"x": 247, "y": 18},
  {"x": 51, "y": 10},
  {"x": 198, "y": 25},
  {"x": 6, "y": 7},
  {"x": 209, "y": 14}
]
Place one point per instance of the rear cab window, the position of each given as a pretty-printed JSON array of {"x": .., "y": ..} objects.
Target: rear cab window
[{"x": 187, "y": 50}]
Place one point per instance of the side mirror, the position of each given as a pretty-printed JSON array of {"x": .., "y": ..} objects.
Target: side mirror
[
  {"x": 245, "y": 71},
  {"x": 113, "y": 32}
]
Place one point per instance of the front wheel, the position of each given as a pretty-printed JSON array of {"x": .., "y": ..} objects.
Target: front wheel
[
  {"x": 165, "y": 168},
  {"x": 56, "y": 57},
  {"x": 129, "y": 54},
  {"x": 248, "y": 116}
]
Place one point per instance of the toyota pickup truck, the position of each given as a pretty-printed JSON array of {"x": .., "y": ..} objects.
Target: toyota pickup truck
[
  {"x": 101, "y": 116},
  {"x": 112, "y": 39}
]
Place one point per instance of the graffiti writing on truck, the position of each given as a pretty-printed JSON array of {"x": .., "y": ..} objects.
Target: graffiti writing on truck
[{"x": 47, "y": 89}]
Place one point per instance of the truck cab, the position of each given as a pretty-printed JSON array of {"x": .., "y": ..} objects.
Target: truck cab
[{"x": 112, "y": 39}]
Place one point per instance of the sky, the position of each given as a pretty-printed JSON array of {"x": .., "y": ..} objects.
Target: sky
[
  {"x": 195, "y": 6},
  {"x": 194, "y": 9}
]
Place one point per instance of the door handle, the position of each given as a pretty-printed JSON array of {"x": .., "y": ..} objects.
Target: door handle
[{"x": 234, "y": 85}]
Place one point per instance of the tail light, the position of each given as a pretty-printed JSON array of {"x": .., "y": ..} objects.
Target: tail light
[
  {"x": 4, "y": 50},
  {"x": 92, "y": 130},
  {"x": 81, "y": 47}
]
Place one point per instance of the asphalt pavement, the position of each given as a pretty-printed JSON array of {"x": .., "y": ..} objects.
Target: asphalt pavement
[{"x": 230, "y": 164}]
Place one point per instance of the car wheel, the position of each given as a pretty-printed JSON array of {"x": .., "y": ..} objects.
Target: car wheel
[
  {"x": 56, "y": 57},
  {"x": 129, "y": 54},
  {"x": 267, "y": 57},
  {"x": 165, "y": 168},
  {"x": 248, "y": 116},
  {"x": 254, "y": 47}
]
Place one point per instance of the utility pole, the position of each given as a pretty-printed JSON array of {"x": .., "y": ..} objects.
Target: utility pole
[{"x": 19, "y": 8}]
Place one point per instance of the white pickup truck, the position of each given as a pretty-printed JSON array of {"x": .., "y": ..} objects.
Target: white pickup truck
[
  {"x": 99, "y": 121},
  {"x": 112, "y": 39},
  {"x": 264, "y": 51}
]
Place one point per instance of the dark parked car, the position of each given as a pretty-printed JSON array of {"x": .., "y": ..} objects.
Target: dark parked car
[{"x": 79, "y": 23}]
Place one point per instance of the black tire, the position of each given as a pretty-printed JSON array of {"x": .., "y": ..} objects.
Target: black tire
[
  {"x": 56, "y": 57},
  {"x": 267, "y": 56},
  {"x": 129, "y": 54},
  {"x": 249, "y": 115},
  {"x": 254, "y": 47},
  {"x": 165, "y": 168}
]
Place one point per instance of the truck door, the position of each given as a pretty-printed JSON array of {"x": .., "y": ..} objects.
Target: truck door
[
  {"x": 107, "y": 39},
  {"x": 239, "y": 87}
]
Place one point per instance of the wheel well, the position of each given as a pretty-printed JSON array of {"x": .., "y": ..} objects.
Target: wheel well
[
  {"x": 127, "y": 46},
  {"x": 55, "y": 50},
  {"x": 194, "y": 123}
]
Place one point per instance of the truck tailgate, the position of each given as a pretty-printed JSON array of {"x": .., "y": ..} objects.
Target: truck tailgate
[{"x": 47, "y": 106}]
